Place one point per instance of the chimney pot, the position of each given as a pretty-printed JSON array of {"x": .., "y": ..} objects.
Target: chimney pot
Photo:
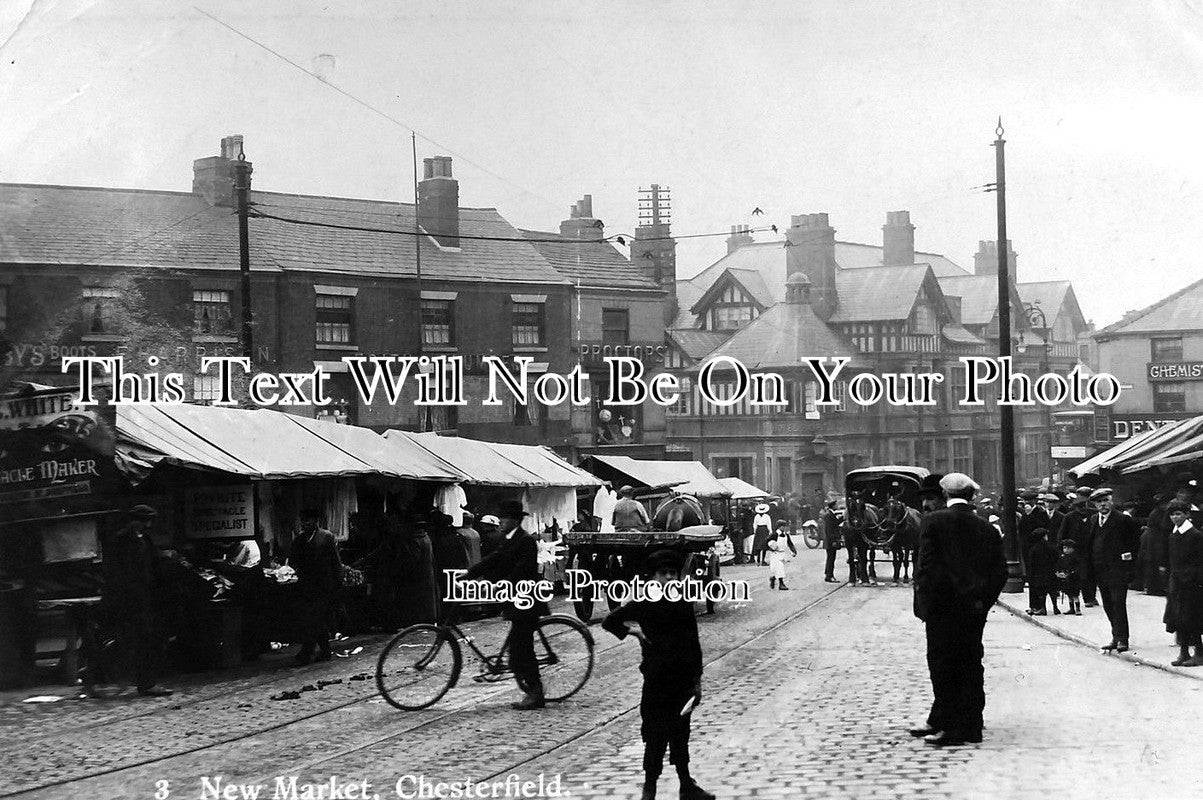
[
  {"x": 213, "y": 176},
  {"x": 898, "y": 239},
  {"x": 438, "y": 201}
]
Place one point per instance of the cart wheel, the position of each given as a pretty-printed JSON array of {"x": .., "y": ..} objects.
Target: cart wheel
[
  {"x": 813, "y": 539},
  {"x": 613, "y": 573},
  {"x": 584, "y": 606}
]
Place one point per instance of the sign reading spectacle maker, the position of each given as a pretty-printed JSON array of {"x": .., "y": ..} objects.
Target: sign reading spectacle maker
[{"x": 1176, "y": 371}]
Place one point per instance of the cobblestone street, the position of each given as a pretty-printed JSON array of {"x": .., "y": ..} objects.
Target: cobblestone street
[{"x": 808, "y": 693}]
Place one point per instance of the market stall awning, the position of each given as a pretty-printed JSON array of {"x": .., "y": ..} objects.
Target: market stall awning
[
  {"x": 741, "y": 489},
  {"x": 395, "y": 458},
  {"x": 492, "y": 464},
  {"x": 1187, "y": 447},
  {"x": 686, "y": 477},
  {"x": 1127, "y": 455},
  {"x": 261, "y": 444}
]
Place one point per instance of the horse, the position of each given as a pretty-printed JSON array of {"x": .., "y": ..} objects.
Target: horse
[
  {"x": 901, "y": 523},
  {"x": 860, "y": 522},
  {"x": 677, "y": 512}
]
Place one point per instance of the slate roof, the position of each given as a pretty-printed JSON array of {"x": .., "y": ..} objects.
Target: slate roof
[
  {"x": 979, "y": 297},
  {"x": 878, "y": 293},
  {"x": 698, "y": 344},
  {"x": 594, "y": 264},
  {"x": 1180, "y": 311},
  {"x": 782, "y": 336},
  {"x": 124, "y": 227},
  {"x": 1052, "y": 296}
]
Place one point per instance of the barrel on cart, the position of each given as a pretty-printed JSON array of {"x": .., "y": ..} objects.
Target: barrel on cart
[{"x": 620, "y": 556}]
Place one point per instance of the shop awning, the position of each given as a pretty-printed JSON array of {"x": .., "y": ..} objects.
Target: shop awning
[
  {"x": 686, "y": 477},
  {"x": 1188, "y": 448},
  {"x": 741, "y": 489},
  {"x": 395, "y": 458},
  {"x": 1134, "y": 453},
  {"x": 493, "y": 464},
  {"x": 257, "y": 444}
]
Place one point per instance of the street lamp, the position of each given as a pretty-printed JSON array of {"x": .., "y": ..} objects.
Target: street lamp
[{"x": 1036, "y": 319}]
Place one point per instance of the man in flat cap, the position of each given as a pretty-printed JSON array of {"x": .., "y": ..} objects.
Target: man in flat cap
[
  {"x": 314, "y": 555},
  {"x": 1051, "y": 504},
  {"x": 629, "y": 513},
  {"x": 516, "y": 560},
  {"x": 133, "y": 582},
  {"x": 1076, "y": 526},
  {"x": 960, "y": 573},
  {"x": 1109, "y": 560}
]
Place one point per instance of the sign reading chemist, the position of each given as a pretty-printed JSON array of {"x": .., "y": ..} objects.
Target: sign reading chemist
[
  {"x": 219, "y": 512},
  {"x": 1176, "y": 371}
]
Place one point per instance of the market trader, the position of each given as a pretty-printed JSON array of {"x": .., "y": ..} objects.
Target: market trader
[
  {"x": 517, "y": 559},
  {"x": 629, "y": 513},
  {"x": 314, "y": 556},
  {"x": 132, "y": 582},
  {"x": 959, "y": 575}
]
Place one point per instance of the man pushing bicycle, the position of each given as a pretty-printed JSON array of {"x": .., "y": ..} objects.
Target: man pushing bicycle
[{"x": 517, "y": 559}]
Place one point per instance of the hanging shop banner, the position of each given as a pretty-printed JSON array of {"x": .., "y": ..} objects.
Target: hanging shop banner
[
  {"x": 219, "y": 512},
  {"x": 56, "y": 456}
]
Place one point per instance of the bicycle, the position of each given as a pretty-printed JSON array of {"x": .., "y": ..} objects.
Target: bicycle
[{"x": 424, "y": 661}]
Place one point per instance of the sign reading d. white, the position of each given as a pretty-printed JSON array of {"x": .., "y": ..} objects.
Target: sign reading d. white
[
  {"x": 220, "y": 512},
  {"x": 56, "y": 457}
]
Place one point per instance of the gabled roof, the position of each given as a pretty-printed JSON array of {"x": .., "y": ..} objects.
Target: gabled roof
[
  {"x": 1052, "y": 297},
  {"x": 782, "y": 336},
  {"x": 882, "y": 293},
  {"x": 697, "y": 344},
  {"x": 1182, "y": 310},
  {"x": 125, "y": 227},
  {"x": 750, "y": 281},
  {"x": 591, "y": 263},
  {"x": 979, "y": 297},
  {"x": 867, "y": 291}
]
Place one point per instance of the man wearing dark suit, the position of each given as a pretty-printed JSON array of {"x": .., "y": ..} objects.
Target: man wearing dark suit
[
  {"x": 1051, "y": 505},
  {"x": 517, "y": 559},
  {"x": 314, "y": 556},
  {"x": 830, "y": 523},
  {"x": 960, "y": 572},
  {"x": 1109, "y": 560},
  {"x": 133, "y": 582}
]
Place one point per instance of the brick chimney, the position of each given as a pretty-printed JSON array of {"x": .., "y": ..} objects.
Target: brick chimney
[
  {"x": 898, "y": 240},
  {"x": 213, "y": 177},
  {"x": 581, "y": 224},
  {"x": 740, "y": 236},
  {"x": 810, "y": 249},
  {"x": 438, "y": 201},
  {"x": 985, "y": 261},
  {"x": 653, "y": 250}
]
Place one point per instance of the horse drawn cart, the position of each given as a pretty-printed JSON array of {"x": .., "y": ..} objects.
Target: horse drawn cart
[
  {"x": 883, "y": 505},
  {"x": 620, "y": 556}
]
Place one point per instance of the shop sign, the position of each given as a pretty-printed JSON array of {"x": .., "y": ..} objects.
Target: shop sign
[
  {"x": 1176, "y": 371},
  {"x": 595, "y": 352},
  {"x": 1124, "y": 426},
  {"x": 56, "y": 457},
  {"x": 216, "y": 512},
  {"x": 1069, "y": 451}
]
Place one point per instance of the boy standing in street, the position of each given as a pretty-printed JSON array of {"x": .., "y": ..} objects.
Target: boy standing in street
[{"x": 672, "y": 675}]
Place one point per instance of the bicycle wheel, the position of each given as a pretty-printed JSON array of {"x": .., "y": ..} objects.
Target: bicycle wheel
[
  {"x": 813, "y": 539},
  {"x": 418, "y": 666},
  {"x": 564, "y": 653}
]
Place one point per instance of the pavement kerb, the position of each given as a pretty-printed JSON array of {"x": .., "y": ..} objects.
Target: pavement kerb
[{"x": 1039, "y": 623}]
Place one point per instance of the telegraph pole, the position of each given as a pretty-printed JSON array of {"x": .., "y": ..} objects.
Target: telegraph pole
[
  {"x": 242, "y": 189},
  {"x": 1007, "y": 412}
]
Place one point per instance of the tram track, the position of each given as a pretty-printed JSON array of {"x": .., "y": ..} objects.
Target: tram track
[
  {"x": 613, "y": 718},
  {"x": 602, "y": 654}
]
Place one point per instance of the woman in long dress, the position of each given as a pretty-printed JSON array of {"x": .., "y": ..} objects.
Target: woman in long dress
[
  {"x": 762, "y": 529},
  {"x": 780, "y": 547}
]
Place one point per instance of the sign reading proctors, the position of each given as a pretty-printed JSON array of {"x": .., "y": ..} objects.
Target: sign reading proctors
[
  {"x": 1176, "y": 371},
  {"x": 220, "y": 512}
]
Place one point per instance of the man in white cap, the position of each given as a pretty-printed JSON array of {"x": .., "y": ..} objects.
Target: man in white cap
[
  {"x": 1109, "y": 561},
  {"x": 960, "y": 572}
]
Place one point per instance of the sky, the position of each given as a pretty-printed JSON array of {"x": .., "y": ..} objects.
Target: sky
[{"x": 850, "y": 108}]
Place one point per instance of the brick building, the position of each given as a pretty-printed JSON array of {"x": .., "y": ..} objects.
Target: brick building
[
  {"x": 891, "y": 309},
  {"x": 1157, "y": 353},
  {"x": 99, "y": 271}
]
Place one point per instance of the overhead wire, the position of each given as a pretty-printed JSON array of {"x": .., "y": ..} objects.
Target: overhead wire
[{"x": 379, "y": 112}]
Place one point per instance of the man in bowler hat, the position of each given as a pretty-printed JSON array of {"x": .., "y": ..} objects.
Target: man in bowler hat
[
  {"x": 517, "y": 559},
  {"x": 131, "y": 592},
  {"x": 1109, "y": 561},
  {"x": 959, "y": 575}
]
